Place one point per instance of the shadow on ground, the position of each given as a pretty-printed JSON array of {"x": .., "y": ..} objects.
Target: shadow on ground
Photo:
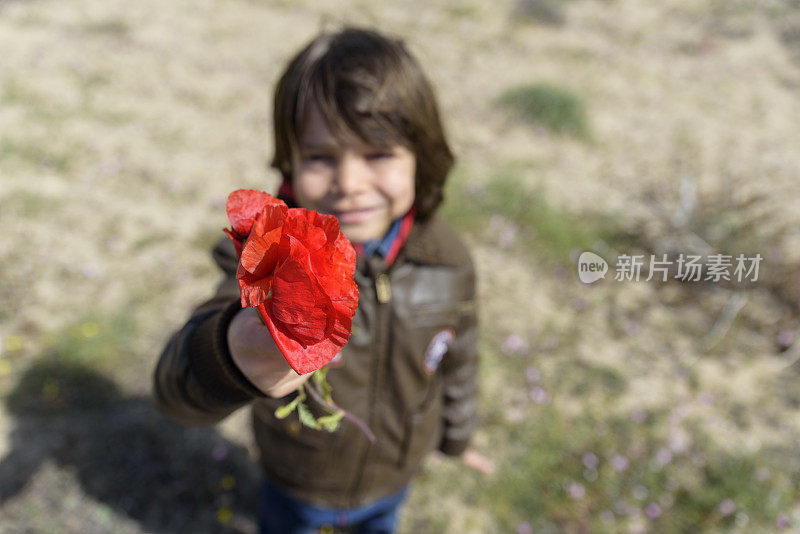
[{"x": 164, "y": 477}]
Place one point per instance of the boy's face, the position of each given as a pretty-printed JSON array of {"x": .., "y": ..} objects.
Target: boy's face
[{"x": 366, "y": 188}]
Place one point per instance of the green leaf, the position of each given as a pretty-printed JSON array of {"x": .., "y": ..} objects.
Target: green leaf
[
  {"x": 331, "y": 422},
  {"x": 320, "y": 379},
  {"x": 282, "y": 411},
  {"x": 319, "y": 376},
  {"x": 306, "y": 417}
]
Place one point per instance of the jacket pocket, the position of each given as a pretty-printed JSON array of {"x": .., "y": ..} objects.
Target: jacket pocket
[
  {"x": 422, "y": 434},
  {"x": 432, "y": 329},
  {"x": 439, "y": 313}
]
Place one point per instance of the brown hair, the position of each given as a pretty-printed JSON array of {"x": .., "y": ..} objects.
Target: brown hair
[{"x": 368, "y": 85}]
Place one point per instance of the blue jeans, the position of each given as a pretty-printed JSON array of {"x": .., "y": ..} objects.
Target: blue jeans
[{"x": 280, "y": 513}]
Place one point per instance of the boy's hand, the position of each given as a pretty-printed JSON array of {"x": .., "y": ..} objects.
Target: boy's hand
[
  {"x": 477, "y": 461},
  {"x": 255, "y": 354}
]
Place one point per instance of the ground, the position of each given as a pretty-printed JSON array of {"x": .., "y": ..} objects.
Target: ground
[{"x": 617, "y": 406}]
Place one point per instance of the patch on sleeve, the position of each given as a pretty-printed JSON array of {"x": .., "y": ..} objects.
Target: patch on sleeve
[{"x": 437, "y": 348}]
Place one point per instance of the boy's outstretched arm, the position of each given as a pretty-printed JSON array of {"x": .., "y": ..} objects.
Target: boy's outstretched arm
[{"x": 196, "y": 380}]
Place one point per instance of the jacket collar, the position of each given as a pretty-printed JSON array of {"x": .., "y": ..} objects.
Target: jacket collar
[{"x": 433, "y": 242}]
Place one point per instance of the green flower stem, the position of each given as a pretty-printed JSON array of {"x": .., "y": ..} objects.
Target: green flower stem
[{"x": 311, "y": 387}]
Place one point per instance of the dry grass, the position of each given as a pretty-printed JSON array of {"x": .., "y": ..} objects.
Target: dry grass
[{"x": 123, "y": 127}]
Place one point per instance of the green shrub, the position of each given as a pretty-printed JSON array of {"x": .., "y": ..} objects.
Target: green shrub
[
  {"x": 549, "y": 232},
  {"x": 550, "y": 12},
  {"x": 555, "y": 108}
]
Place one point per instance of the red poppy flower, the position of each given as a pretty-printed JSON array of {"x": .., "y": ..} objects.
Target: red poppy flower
[
  {"x": 243, "y": 206},
  {"x": 296, "y": 268}
]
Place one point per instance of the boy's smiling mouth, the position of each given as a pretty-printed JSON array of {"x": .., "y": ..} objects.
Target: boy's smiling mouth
[{"x": 355, "y": 215}]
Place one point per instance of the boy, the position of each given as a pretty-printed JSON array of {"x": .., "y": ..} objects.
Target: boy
[{"x": 358, "y": 136}]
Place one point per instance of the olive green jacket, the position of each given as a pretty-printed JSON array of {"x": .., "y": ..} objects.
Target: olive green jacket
[{"x": 408, "y": 371}]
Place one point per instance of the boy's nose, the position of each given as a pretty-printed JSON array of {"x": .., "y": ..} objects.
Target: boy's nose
[{"x": 351, "y": 174}]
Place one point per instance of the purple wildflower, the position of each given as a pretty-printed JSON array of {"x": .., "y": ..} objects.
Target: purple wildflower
[
  {"x": 508, "y": 236},
  {"x": 539, "y": 395},
  {"x": 785, "y": 339},
  {"x": 515, "y": 344},
  {"x": 497, "y": 222},
  {"x": 679, "y": 441},
  {"x": 620, "y": 463},
  {"x": 706, "y": 398},
  {"x": 590, "y": 460},
  {"x": 580, "y": 303},
  {"x": 632, "y": 328},
  {"x": 607, "y": 517},
  {"x": 639, "y": 415},
  {"x": 653, "y": 510},
  {"x": 664, "y": 456},
  {"x": 727, "y": 507},
  {"x": 90, "y": 269},
  {"x": 577, "y": 490},
  {"x": 533, "y": 374}
]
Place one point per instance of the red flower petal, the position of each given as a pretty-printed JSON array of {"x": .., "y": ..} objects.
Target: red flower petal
[
  {"x": 237, "y": 242},
  {"x": 254, "y": 291},
  {"x": 259, "y": 255},
  {"x": 334, "y": 266},
  {"x": 293, "y": 293},
  {"x": 315, "y": 327},
  {"x": 261, "y": 248},
  {"x": 244, "y": 204},
  {"x": 306, "y": 226},
  {"x": 270, "y": 218},
  {"x": 302, "y": 358}
]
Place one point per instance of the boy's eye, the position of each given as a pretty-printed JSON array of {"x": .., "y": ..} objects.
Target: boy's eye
[
  {"x": 318, "y": 157},
  {"x": 379, "y": 155}
]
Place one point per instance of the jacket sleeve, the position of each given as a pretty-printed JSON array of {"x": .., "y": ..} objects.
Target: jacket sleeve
[
  {"x": 459, "y": 373},
  {"x": 196, "y": 381}
]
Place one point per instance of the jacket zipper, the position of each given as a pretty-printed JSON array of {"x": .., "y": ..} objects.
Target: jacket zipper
[
  {"x": 383, "y": 295},
  {"x": 383, "y": 290}
]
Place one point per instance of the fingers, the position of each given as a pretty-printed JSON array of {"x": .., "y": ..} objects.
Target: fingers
[
  {"x": 257, "y": 356},
  {"x": 475, "y": 460},
  {"x": 247, "y": 330},
  {"x": 290, "y": 382}
]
